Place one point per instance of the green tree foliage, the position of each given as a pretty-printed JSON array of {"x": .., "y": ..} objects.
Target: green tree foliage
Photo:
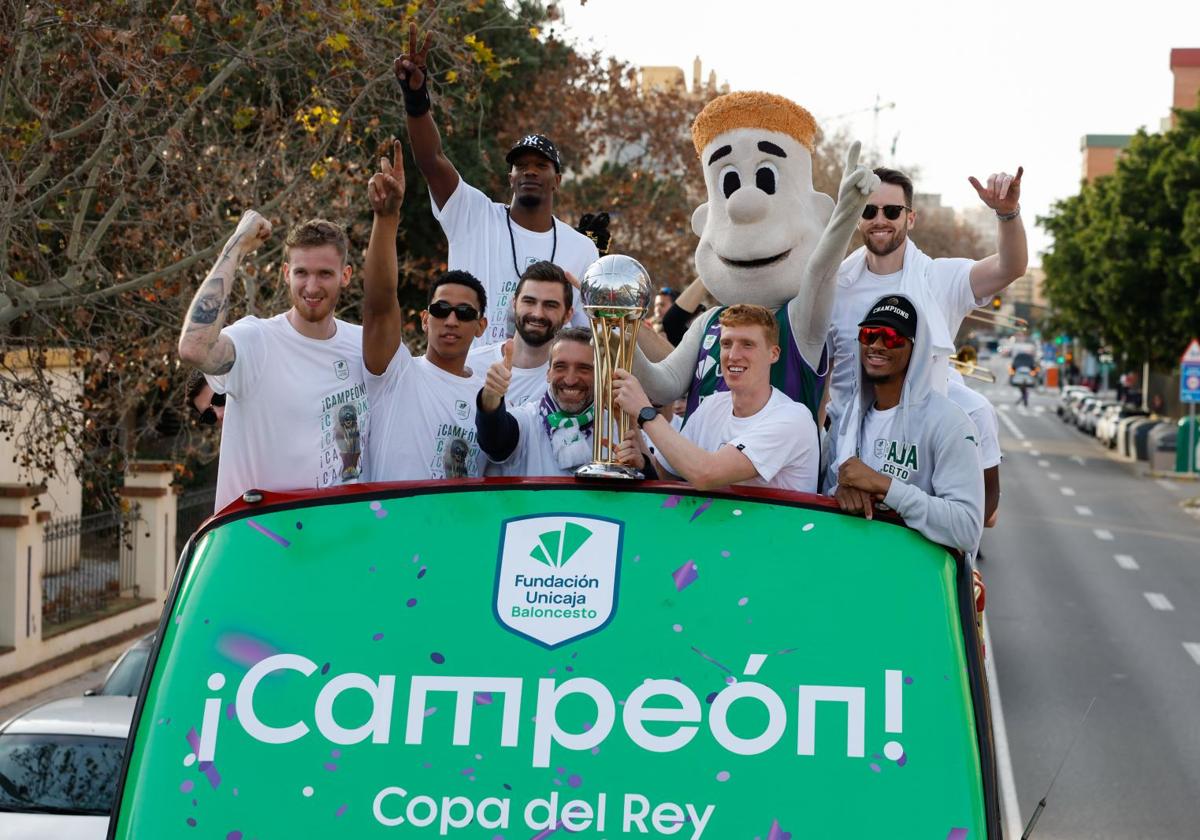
[{"x": 1125, "y": 267}]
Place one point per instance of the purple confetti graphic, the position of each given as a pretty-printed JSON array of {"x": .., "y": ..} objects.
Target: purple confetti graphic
[
  {"x": 377, "y": 637},
  {"x": 437, "y": 658},
  {"x": 244, "y": 649},
  {"x": 957, "y": 834},
  {"x": 723, "y": 776},
  {"x": 908, "y": 680},
  {"x": 205, "y": 767},
  {"x": 234, "y": 835},
  {"x": 707, "y": 504},
  {"x": 874, "y": 767},
  {"x": 902, "y": 760},
  {"x": 191, "y": 821},
  {"x": 411, "y": 602},
  {"x": 671, "y": 501},
  {"x": 187, "y": 786},
  {"x": 708, "y": 658},
  {"x": 421, "y": 572},
  {"x": 340, "y": 811},
  {"x": 574, "y": 780},
  {"x": 483, "y": 698},
  {"x": 266, "y": 532},
  {"x": 685, "y": 575},
  {"x": 777, "y": 833}
]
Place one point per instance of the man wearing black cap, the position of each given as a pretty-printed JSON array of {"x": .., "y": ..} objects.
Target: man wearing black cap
[
  {"x": 493, "y": 241},
  {"x": 902, "y": 443}
]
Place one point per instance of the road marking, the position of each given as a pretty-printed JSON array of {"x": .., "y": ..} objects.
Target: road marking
[
  {"x": 1083, "y": 510},
  {"x": 1158, "y": 601},
  {"x": 1126, "y": 562},
  {"x": 1003, "y": 406},
  {"x": 1193, "y": 648},
  {"x": 1010, "y": 425},
  {"x": 1102, "y": 534},
  {"x": 1067, "y": 491},
  {"x": 1080, "y": 461},
  {"x": 1054, "y": 476},
  {"x": 1008, "y": 783},
  {"x": 1163, "y": 483},
  {"x": 1043, "y": 463},
  {"x": 1026, "y": 443},
  {"x": 1034, "y": 453}
]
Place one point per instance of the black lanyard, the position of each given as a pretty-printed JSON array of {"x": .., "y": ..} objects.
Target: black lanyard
[{"x": 513, "y": 241}]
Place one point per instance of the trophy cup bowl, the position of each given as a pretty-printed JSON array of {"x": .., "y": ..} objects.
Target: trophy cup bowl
[{"x": 615, "y": 292}]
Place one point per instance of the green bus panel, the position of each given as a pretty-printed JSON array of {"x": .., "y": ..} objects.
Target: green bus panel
[{"x": 509, "y": 662}]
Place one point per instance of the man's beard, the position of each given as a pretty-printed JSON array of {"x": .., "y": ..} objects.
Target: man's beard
[
  {"x": 529, "y": 201},
  {"x": 303, "y": 311},
  {"x": 568, "y": 405},
  {"x": 898, "y": 239},
  {"x": 531, "y": 339}
]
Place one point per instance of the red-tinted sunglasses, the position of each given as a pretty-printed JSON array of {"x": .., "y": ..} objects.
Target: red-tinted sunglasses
[{"x": 891, "y": 338}]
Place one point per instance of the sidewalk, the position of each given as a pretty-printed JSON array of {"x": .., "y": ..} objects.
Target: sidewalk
[{"x": 69, "y": 688}]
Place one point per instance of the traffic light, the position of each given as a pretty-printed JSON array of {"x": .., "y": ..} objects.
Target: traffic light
[
  {"x": 1058, "y": 339},
  {"x": 996, "y": 302}
]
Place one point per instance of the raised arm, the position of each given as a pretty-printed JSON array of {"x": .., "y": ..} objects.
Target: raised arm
[
  {"x": 200, "y": 342},
  {"x": 994, "y": 274},
  {"x": 810, "y": 311},
  {"x": 423, "y": 133},
  {"x": 383, "y": 322}
]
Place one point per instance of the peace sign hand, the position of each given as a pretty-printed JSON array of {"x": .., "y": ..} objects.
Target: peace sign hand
[
  {"x": 410, "y": 66},
  {"x": 385, "y": 190},
  {"x": 1003, "y": 191}
]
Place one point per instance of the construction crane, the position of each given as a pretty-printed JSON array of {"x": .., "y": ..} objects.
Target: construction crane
[{"x": 875, "y": 110}]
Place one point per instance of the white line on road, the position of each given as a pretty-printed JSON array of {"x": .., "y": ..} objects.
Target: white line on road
[
  {"x": 1067, "y": 491},
  {"x": 1083, "y": 510},
  {"x": 1158, "y": 601},
  {"x": 1103, "y": 534},
  {"x": 1080, "y": 461},
  {"x": 1008, "y": 783},
  {"x": 1163, "y": 483},
  {"x": 1193, "y": 648},
  {"x": 1026, "y": 443},
  {"x": 1043, "y": 463},
  {"x": 1054, "y": 476},
  {"x": 1010, "y": 425},
  {"x": 1034, "y": 453},
  {"x": 1126, "y": 562}
]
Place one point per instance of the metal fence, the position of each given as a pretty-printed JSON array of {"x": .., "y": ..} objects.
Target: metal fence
[
  {"x": 191, "y": 510},
  {"x": 89, "y": 564}
]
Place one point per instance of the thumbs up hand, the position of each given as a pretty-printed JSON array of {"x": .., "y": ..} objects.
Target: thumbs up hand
[{"x": 499, "y": 377}]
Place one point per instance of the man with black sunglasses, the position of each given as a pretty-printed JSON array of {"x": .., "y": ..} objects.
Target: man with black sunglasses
[
  {"x": 900, "y": 442},
  {"x": 495, "y": 242},
  {"x": 207, "y": 405},
  {"x": 947, "y": 289},
  {"x": 423, "y": 408}
]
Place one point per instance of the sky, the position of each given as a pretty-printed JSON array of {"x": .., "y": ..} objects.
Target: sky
[{"x": 978, "y": 87}]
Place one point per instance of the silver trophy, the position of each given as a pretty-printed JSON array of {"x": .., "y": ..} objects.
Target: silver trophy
[{"x": 615, "y": 291}]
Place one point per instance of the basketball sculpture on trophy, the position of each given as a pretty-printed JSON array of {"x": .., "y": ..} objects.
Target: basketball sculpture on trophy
[{"x": 615, "y": 292}]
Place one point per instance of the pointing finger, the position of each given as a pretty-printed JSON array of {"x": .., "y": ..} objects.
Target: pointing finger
[
  {"x": 852, "y": 156},
  {"x": 1020, "y": 172}
]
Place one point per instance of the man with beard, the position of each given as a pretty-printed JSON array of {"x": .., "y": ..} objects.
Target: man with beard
[
  {"x": 493, "y": 241},
  {"x": 946, "y": 290},
  {"x": 424, "y": 423},
  {"x": 552, "y": 436},
  {"x": 898, "y": 441},
  {"x": 285, "y": 378},
  {"x": 541, "y": 306}
]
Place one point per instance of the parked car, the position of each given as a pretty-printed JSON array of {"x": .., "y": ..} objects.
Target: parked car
[
  {"x": 59, "y": 767},
  {"x": 1023, "y": 370},
  {"x": 1091, "y": 417},
  {"x": 124, "y": 679},
  {"x": 1065, "y": 396},
  {"x": 1106, "y": 428}
]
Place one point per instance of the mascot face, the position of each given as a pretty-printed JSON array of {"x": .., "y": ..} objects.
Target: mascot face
[{"x": 762, "y": 220}]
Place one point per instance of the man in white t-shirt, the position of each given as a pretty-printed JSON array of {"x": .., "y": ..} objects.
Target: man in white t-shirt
[
  {"x": 983, "y": 414},
  {"x": 946, "y": 290},
  {"x": 541, "y": 306},
  {"x": 551, "y": 435},
  {"x": 752, "y": 434},
  {"x": 424, "y": 419},
  {"x": 296, "y": 407},
  {"x": 493, "y": 241}
]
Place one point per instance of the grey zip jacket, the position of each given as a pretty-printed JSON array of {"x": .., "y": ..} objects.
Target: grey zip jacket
[{"x": 943, "y": 495}]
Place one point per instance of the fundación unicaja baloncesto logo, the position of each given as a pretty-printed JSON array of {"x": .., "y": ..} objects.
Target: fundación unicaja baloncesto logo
[{"x": 556, "y": 576}]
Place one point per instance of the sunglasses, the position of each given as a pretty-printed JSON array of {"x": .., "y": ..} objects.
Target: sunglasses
[
  {"x": 464, "y": 311},
  {"x": 208, "y": 417},
  {"x": 891, "y": 338},
  {"x": 891, "y": 212}
]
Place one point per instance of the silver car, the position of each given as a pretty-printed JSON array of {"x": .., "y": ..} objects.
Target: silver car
[{"x": 59, "y": 767}]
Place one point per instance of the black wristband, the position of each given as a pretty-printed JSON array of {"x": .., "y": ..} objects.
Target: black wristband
[{"x": 416, "y": 102}]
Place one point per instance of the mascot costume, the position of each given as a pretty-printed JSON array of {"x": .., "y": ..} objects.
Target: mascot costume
[{"x": 766, "y": 237}]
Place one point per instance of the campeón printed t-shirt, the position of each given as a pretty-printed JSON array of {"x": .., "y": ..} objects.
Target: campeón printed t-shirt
[
  {"x": 880, "y": 450},
  {"x": 527, "y": 384},
  {"x": 477, "y": 229},
  {"x": 780, "y": 439},
  {"x": 424, "y": 421},
  {"x": 297, "y": 411}
]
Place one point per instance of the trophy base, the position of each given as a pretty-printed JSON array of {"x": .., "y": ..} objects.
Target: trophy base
[{"x": 590, "y": 472}]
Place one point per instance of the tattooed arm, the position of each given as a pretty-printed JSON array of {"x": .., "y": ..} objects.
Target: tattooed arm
[{"x": 201, "y": 343}]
